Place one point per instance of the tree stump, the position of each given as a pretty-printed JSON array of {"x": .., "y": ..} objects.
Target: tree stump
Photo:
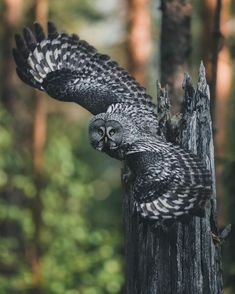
[{"x": 183, "y": 258}]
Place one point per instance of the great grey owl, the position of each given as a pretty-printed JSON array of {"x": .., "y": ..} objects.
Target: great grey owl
[{"x": 168, "y": 181}]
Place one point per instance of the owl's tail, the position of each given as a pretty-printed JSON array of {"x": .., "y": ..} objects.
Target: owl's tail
[{"x": 37, "y": 55}]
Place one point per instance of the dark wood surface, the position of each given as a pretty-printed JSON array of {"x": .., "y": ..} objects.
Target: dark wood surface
[{"x": 184, "y": 258}]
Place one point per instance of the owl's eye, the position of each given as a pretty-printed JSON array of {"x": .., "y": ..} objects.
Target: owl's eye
[
  {"x": 100, "y": 132},
  {"x": 112, "y": 132}
]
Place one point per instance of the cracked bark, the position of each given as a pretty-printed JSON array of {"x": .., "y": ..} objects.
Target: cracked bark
[{"x": 184, "y": 258}]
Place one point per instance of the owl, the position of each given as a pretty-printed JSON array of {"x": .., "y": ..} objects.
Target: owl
[{"x": 168, "y": 181}]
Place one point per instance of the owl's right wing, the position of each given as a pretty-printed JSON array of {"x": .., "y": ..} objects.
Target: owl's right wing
[
  {"x": 170, "y": 182},
  {"x": 70, "y": 69}
]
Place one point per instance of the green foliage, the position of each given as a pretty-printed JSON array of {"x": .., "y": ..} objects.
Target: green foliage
[
  {"x": 79, "y": 198},
  {"x": 82, "y": 248},
  {"x": 80, "y": 236}
]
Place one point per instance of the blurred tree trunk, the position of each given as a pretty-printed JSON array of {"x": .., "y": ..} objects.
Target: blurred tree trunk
[
  {"x": 139, "y": 38},
  {"x": 175, "y": 46},
  {"x": 215, "y": 16},
  {"x": 39, "y": 138},
  {"x": 10, "y": 228},
  {"x": 41, "y": 12},
  {"x": 29, "y": 129},
  {"x": 20, "y": 109},
  {"x": 11, "y": 18}
]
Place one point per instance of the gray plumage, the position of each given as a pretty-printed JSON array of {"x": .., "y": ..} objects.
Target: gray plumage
[
  {"x": 69, "y": 69},
  {"x": 169, "y": 182}
]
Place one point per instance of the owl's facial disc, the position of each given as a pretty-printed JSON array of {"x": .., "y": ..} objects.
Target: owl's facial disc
[
  {"x": 105, "y": 135},
  {"x": 114, "y": 134}
]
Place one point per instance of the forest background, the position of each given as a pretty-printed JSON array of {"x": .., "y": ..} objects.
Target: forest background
[{"x": 60, "y": 201}]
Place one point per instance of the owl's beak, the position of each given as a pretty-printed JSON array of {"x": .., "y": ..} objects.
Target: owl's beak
[
  {"x": 102, "y": 143},
  {"x": 106, "y": 143}
]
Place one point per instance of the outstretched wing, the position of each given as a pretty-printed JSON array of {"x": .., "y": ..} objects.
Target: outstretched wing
[
  {"x": 171, "y": 182},
  {"x": 69, "y": 69}
]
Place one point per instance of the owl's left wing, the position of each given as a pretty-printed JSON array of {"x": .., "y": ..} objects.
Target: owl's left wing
[{"x": 69, "y": 69}]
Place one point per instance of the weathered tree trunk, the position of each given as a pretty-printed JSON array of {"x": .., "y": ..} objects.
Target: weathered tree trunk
[
  {"x": 183, "y": 258},
  {"x": 175, "y": 46}
]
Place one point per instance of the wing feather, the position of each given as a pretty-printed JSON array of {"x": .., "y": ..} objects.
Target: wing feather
[
  {"x": 170, "y": 181},
  {"x": 70, "y": 69}
]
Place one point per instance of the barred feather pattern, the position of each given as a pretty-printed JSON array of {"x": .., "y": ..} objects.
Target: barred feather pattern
[
  {"x": 70, "y": 69},
  {"x": 142, "y": 118},
  {"x": 169, "y": 181}
]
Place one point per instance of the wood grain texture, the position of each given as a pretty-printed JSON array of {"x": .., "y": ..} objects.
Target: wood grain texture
[{"x": 182, "y": 258}]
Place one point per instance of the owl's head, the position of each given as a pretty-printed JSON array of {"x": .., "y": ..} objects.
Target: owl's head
[
  {"x": 109, "y": 132},
  {"x": 105, "y": 134}
]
